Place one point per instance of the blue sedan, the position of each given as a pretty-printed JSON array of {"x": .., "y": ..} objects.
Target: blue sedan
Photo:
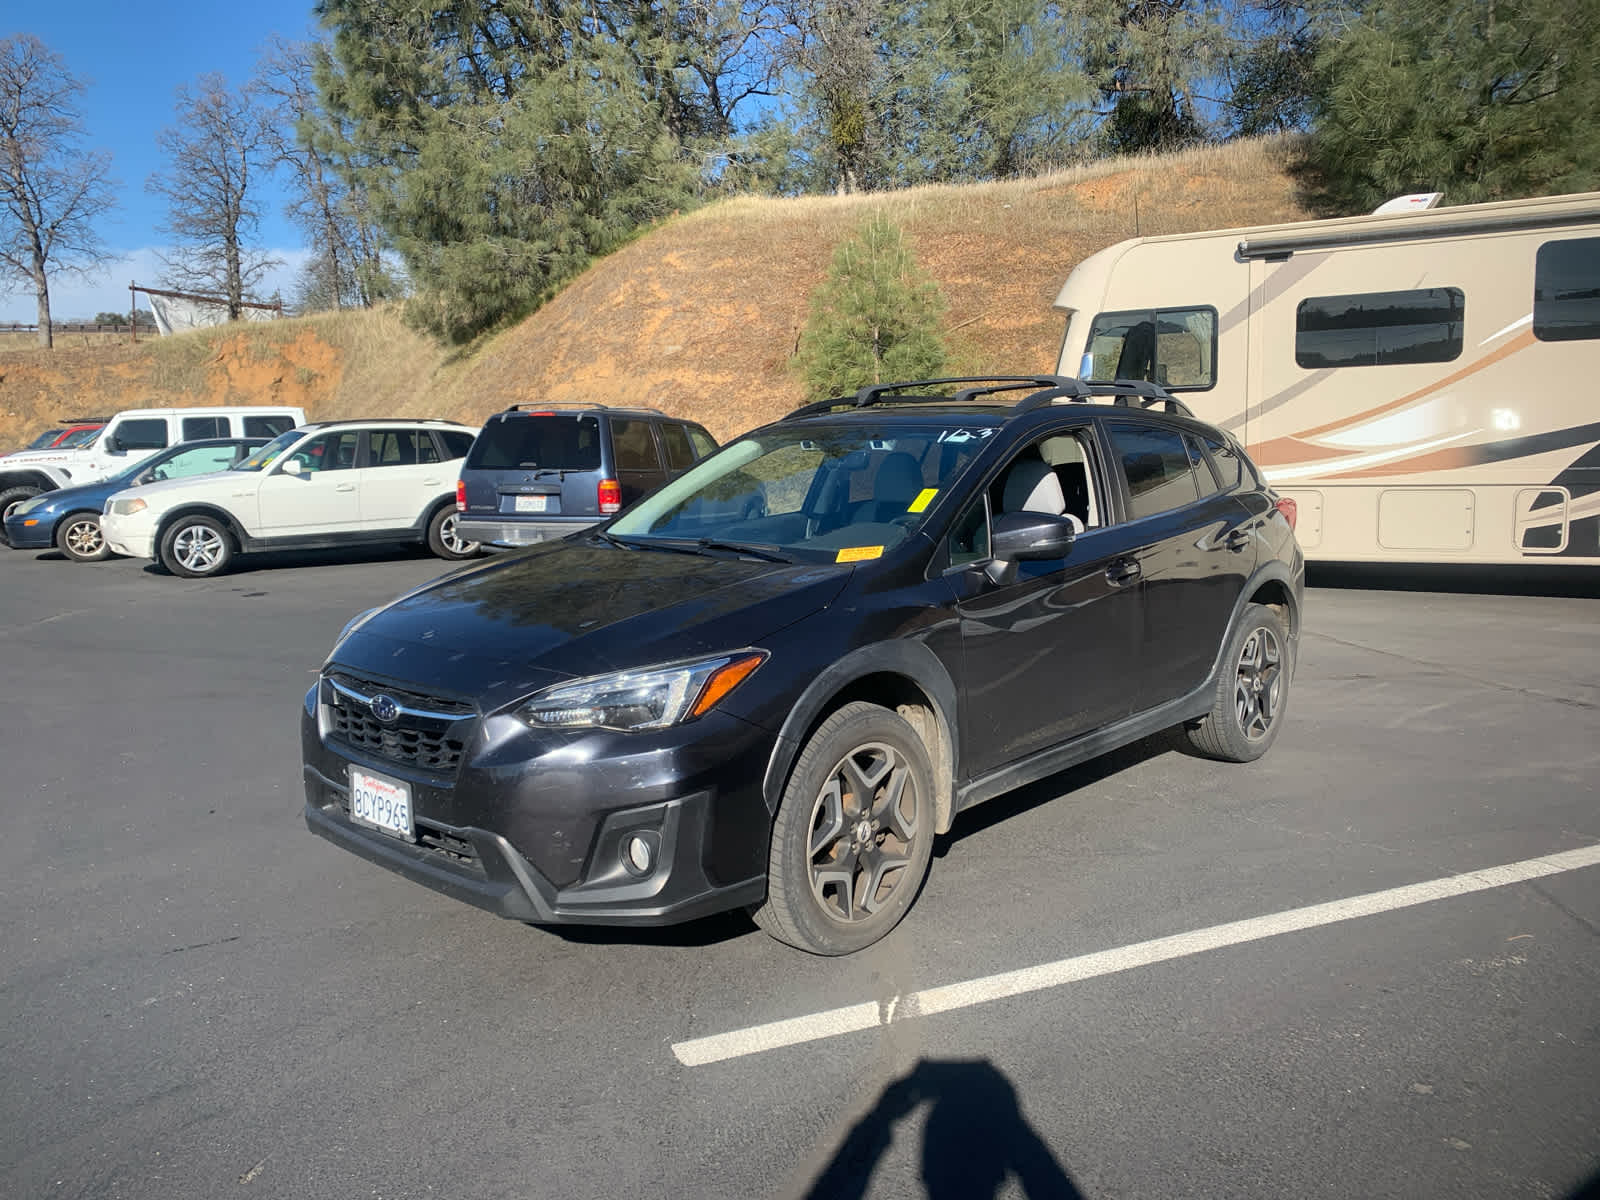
[{"x": 70, "y": 517}]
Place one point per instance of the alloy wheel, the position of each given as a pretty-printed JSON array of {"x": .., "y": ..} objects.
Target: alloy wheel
[
  {"x": 1260, "y": 683},
  {"x": 450, "y": 535},
  {"x": 198, "y": 548},
  {"x": 864, "y": 824},
  {"x": 83, "y": 537}
]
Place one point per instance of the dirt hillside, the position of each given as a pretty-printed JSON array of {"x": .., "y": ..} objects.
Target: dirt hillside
[{"x": 699, "y": 317}]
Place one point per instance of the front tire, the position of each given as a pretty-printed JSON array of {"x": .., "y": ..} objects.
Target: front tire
[
  {"x": 196, "y": 547},
  {"x": 13, "y": 496},
  {"x": 1252, "y": 688},
  {"x": 853, "y": 836},
  {"x": 443, "y": 538},
  {"x": 78, "y": 536}
]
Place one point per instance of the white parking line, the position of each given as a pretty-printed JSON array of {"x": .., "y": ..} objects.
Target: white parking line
[{"x": 854, "y": 1018}]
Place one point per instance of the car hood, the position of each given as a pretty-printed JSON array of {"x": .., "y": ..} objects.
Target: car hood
[
  {"x": 90, "y": 495},
  {"x": 154, "y": 494},
  {"x": 503, "y": 630}
]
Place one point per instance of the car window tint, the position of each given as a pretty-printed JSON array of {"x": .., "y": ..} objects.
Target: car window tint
[
  {"x": 330, "y": 452},
  {"x": 456, "y": 443},
  {"x": 633, "y": 446},
  {"x": 704, "y": 443},
  {"x": 394, "y": 447},
  {"x": 195, "y": 428},
  {"x": 1156, "y": 464},
  {"x": 675, "y": 439},
  {"x": 1203, "y": 477},
  {"x": 144, "y": 433},
  {"x": 537, "y": 442},
  {"x": 1226, "y": 462},
  {"x": 969, "y": 536},
  {"x": 268, "y": 427}
]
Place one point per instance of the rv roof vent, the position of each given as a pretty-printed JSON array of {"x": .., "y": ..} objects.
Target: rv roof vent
[{"x": 1415, "y": 202}]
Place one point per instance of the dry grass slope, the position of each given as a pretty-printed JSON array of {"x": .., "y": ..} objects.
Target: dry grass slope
[{"x": 698, "y": 318}]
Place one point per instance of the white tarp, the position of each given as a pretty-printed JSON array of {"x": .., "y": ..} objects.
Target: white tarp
[{"x": 176, "y": 313}]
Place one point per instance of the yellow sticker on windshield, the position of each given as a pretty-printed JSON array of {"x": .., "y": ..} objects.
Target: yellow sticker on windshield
[
  {"x": 924, "y": 498},
  {"x": 859, "y": 553}
]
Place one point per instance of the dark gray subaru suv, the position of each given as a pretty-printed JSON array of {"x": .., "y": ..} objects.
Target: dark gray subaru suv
[{"x": 772, "y": 682}]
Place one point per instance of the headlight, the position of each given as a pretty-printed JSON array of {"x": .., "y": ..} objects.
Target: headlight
[
  {"x": 649, "y": 699},
  {"x": 27, "y": 506},
  {"x": 126, "y": 508}
]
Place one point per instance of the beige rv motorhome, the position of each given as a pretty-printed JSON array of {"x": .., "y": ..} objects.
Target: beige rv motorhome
[{"x": 1426, "y": 385}]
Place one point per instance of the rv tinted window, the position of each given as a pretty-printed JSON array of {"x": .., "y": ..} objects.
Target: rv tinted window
[
  {"x": 1379, "y": 328},
  {"x": 1175, "y": 347},
  {"x": 1566, "y": 290}
]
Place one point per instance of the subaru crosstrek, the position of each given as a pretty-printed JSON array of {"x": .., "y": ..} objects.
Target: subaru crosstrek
[{"x": 772, "y": 682}]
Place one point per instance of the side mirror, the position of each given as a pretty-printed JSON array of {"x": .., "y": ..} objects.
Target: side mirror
[
  {"x": 1028, "y": 537},
  {"x": 294, "y": 467},
  {"x": 113, "y": 446}
]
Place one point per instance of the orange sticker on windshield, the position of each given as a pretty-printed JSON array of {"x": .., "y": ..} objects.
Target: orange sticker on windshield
[
  {"x": 924, "y": 498},
  {"x": 859, "y": 553}
]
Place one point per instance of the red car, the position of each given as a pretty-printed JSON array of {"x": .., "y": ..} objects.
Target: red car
[{"x": 74, "y": 433}]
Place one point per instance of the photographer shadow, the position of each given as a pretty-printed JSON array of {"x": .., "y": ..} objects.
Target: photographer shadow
[{"x": 974, "y": 1138}]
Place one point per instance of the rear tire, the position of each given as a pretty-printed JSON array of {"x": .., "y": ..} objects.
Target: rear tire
[
  {"x": 1252, "y": 689},
  {"x": 78, "y": 536},
  {"x": 13, "y": 496},
  {"x": 853, "y": 836},
  {"x": 443, "y": 539},
  {"x": 196, "y": 547}
]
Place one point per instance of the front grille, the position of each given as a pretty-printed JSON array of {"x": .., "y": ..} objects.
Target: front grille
[{"x": 426, "y": 734}]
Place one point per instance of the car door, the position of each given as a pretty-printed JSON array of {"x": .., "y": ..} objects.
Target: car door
[
  {"x": 1051, "y": 651},
  {"x": 638, "y": 460},
  {"x": 324, "y": 499},
  {"x": 401, "y": 476},
  {"x": 1195, "y": 552}
]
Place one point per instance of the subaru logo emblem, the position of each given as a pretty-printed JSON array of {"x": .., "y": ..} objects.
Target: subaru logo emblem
[{"x": 385, "y": 708}]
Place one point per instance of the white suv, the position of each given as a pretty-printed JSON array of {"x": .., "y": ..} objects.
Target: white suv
[
  {"x": 334, "y": 483},
  {"x": 128, "y": 438}
]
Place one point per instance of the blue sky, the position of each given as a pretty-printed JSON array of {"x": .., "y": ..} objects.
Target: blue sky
[{"x": 134, "y": 58}]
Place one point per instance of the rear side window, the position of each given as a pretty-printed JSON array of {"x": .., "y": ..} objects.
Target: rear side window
[
  {"x": 1225, "y": 461},
  {"x": 1372, "y": 329},
  {"x": 195, "y": 428},
  {"x": 1204, "y": 480},
  {"x": 268, "y": 427},
  {"x": 1156, "y": 463},
  {"x": 1175, "y": 347},
  {"x": 675, "y": 440},
  {"x": 1566, "y": 290},
  {"x": 633, "y": 445},
  {"x": 704, "y": 443},
  {"x": 456, "y": 443},
  {"x": 399, "y": 448},
  {"x": 143, "y": 433},
  {"x": 555, "y": 443}
]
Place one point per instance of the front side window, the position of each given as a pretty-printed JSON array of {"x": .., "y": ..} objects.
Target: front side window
[
  {"x": 1566, "y": 290},
  {"x": 202, "y": 460},
  {"x": 1156, "y": 463},
  {"x": 330, "y": 452},
  {"x": 1379, "y": 328},
  {"x": 142, "y": 433},
  {"x": 1174, "y": 347},
  {"x": 845, "y": 493},
  {"x": 969, "y": 536}
]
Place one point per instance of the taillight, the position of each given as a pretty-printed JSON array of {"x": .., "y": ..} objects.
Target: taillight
[
  {"x": 461, "y": 495},
  {"x": 610, "y": 496},
  {"x": 1289, "y": 509}
]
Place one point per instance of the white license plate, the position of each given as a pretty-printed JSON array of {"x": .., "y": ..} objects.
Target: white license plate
[
  {"x": 532, "y": 503},
  {"x": 382, "y": 803}
]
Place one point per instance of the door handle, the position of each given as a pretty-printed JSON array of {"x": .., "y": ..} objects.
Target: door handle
[
  {"x": 1123, "y": 571},
  {"x": 1239, "y": 539},
  {"x": 430, "y": 483},
  {"x": 345, "y": 487}
]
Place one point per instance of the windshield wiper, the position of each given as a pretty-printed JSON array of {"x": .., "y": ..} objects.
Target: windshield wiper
[
  {"x": 754, "y": 550},
  {"x": 601, "y": 536}
]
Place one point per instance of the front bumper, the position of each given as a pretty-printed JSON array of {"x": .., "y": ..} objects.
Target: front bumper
[
  {"x": 498, "y": 531},
  {"x": 129, "y": 536},
  {"x": 39, "y": 536},
  {"x": 534, "y": 828}
]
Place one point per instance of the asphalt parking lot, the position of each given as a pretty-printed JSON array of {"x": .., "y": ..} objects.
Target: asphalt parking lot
[{"x": 200, "y": 999}]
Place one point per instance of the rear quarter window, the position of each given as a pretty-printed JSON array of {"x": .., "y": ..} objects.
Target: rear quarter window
[{"x": 532, "y": 443}]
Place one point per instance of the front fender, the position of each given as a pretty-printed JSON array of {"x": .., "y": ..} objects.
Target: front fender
[{"x": 42, "y": 476}]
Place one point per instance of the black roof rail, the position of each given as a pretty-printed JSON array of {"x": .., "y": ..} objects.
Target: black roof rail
[
  {"x": 1046, "y": 390},
  {"x": 82, "y": 420}
]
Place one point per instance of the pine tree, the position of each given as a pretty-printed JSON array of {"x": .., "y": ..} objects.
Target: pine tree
[{"x": 876, "y": 317}]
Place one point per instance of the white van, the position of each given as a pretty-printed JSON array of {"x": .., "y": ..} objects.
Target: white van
[
  {"x": 128, "y": 437},
  {"x": 1420, "y": 383}
]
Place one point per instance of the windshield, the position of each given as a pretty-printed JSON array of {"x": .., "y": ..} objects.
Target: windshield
[
  {"x": 841, "y": 495},
  {"x": 266, "y": 455},
  {"x": 80, "y": 437},
  {"x": 43, "y": 440}
]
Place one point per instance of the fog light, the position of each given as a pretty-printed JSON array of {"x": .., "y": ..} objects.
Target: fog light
[{"x": 639, "y": 854}]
